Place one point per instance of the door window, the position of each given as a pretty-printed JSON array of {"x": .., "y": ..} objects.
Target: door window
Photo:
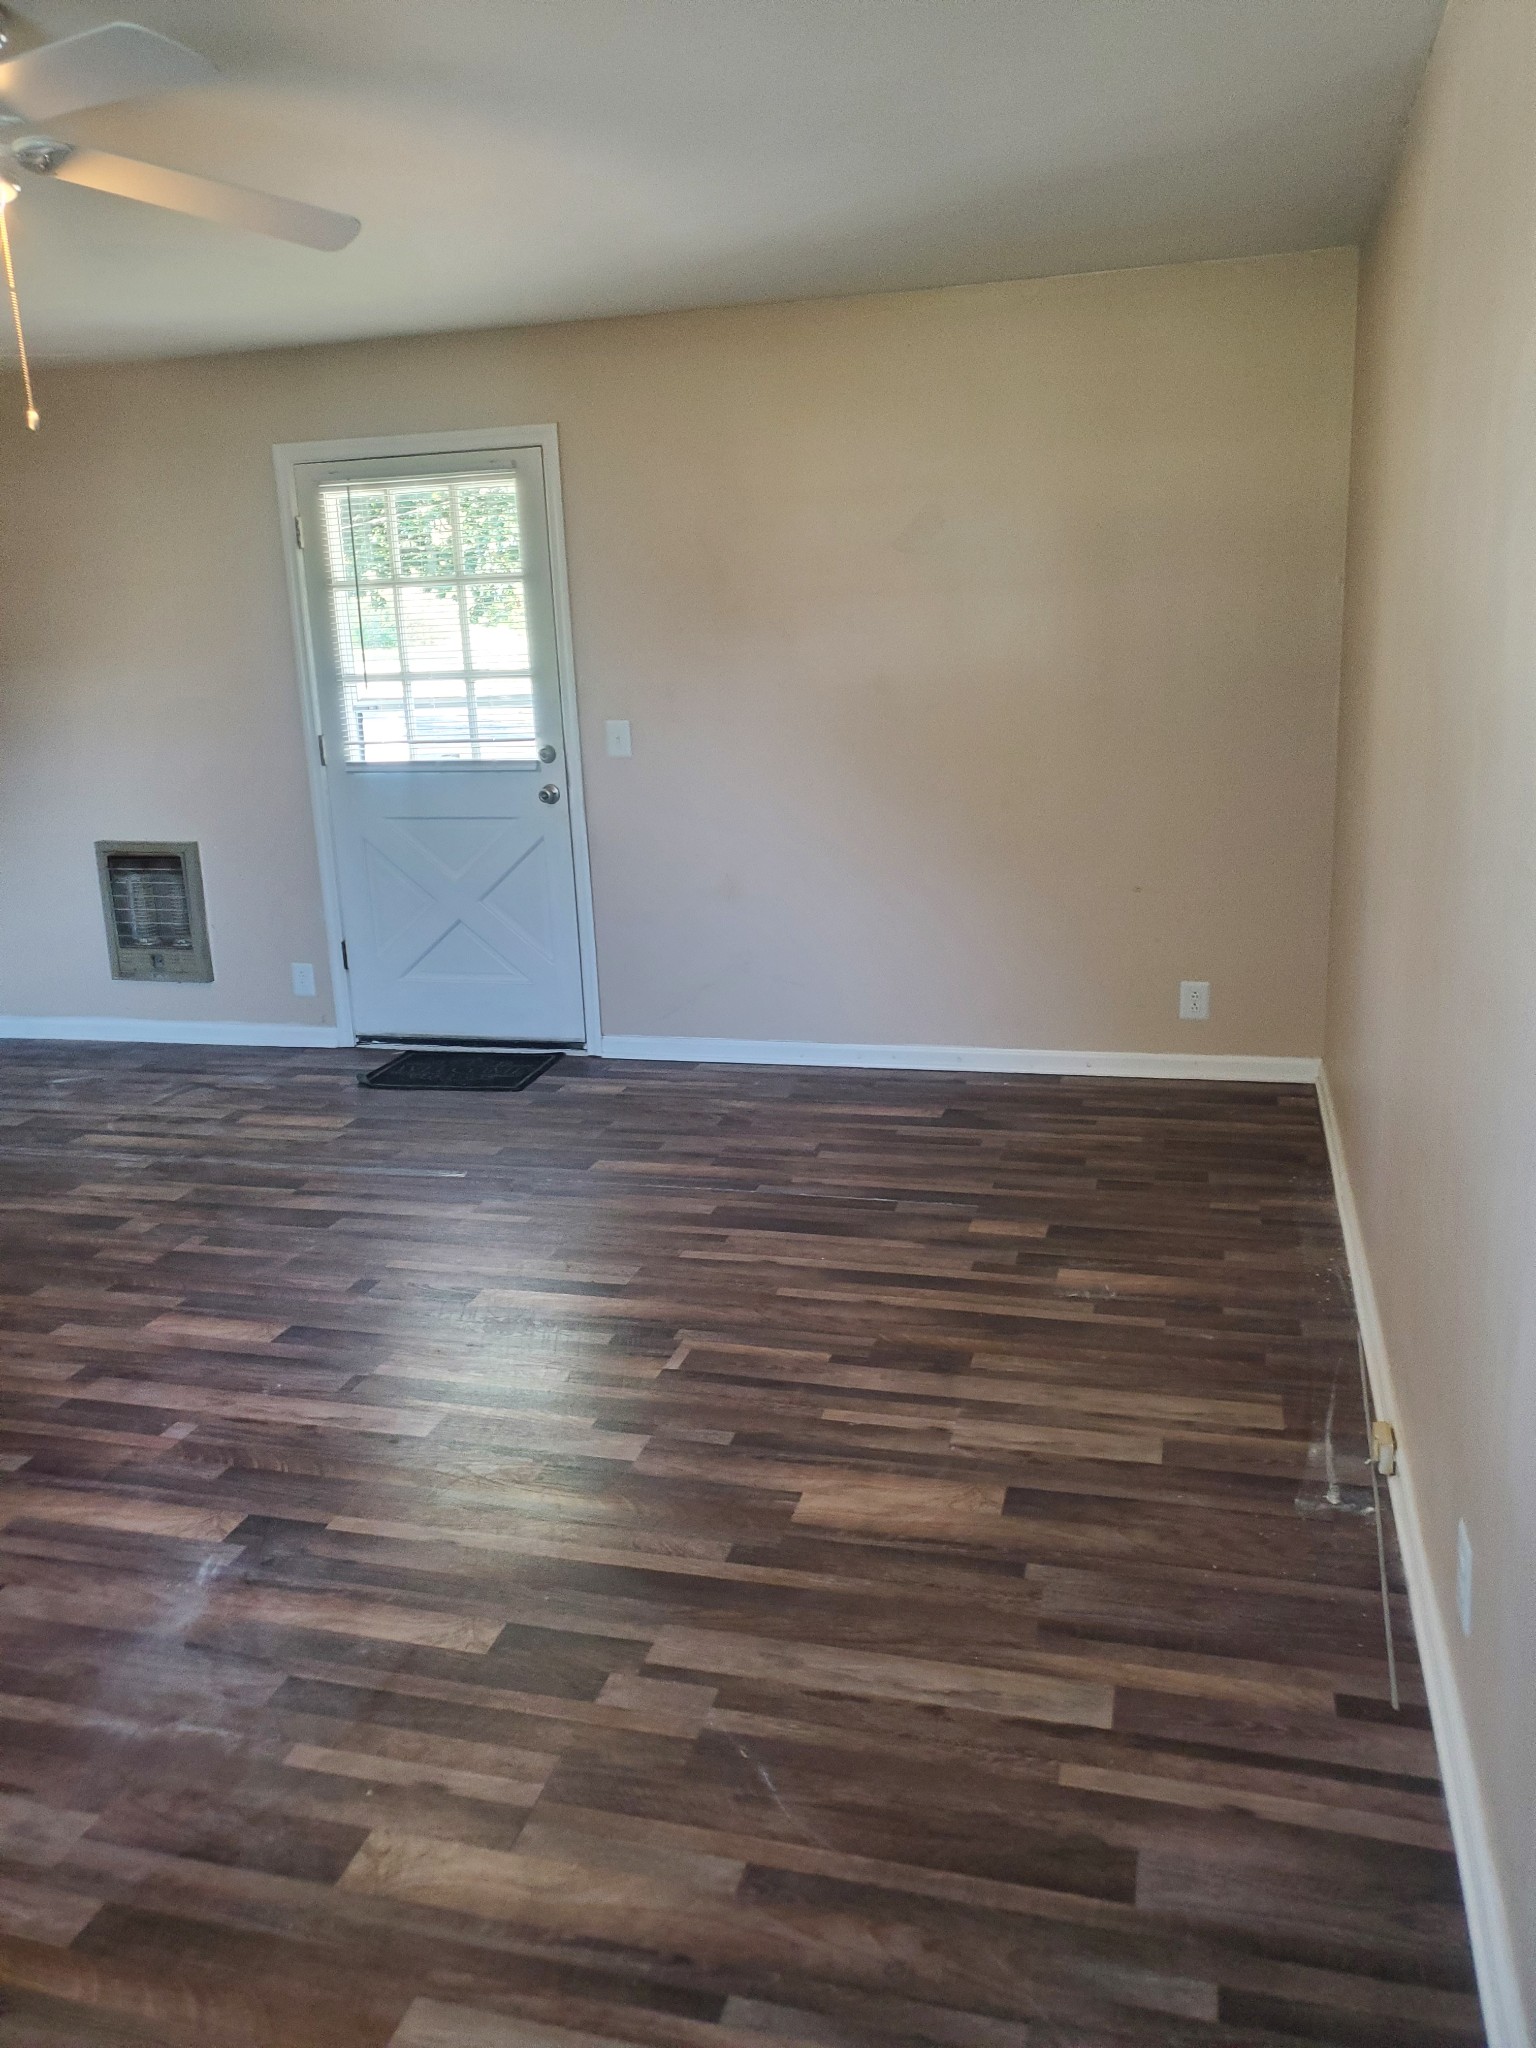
[{"x": 425, "y": 590}]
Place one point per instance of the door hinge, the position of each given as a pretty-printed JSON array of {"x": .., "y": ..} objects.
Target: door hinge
[
  {"x": 345, "y": 962},
  {"x": 1384, "y": 1448},
  {"x": 298, "y": 532},
  {"x": 320, "y": 743}
]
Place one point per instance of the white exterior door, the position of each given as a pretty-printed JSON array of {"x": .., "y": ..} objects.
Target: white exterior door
[{"x": 431, "y": 623}]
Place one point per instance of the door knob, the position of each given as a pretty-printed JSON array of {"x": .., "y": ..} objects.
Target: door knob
[{"x": 549, "y": 794}]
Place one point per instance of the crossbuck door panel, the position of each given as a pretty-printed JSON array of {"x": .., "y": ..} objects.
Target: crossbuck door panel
[{"x": 431, "y": 620}]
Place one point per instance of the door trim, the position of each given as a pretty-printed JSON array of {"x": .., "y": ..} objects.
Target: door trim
[{"x": 286, "y": 459}]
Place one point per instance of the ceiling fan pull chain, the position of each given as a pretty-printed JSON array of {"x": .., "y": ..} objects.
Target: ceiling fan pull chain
[{"x": 10, "y": 286}]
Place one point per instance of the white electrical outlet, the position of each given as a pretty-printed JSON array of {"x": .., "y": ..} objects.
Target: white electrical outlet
[
  {"x": 1464, "y": 1577},
  {"x": 619, "y": 743},
  {"x": 1195, "y": 1001},
  {"x": 303, "y": 978}
]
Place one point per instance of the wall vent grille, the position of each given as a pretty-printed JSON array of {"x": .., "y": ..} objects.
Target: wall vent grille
[{"x": 153, "y": 898}]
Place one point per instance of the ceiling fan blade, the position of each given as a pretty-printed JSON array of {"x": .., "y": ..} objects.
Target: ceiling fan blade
[
  {"x": 232, "y": 206},
  {"x": 119, "y": 61}
]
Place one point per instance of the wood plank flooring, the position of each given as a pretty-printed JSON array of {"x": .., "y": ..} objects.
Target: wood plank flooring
[{"x": 693, "y": 1558}]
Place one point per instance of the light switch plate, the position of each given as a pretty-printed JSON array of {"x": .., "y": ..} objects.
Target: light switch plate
[{"x": 619, "y": 744}]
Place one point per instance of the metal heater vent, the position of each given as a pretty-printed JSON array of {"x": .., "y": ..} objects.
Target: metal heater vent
[{"x": 153, "y": 897}]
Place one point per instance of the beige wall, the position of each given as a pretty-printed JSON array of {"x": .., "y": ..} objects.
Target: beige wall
[
  {"x": 1432, "y": 1015},
  {"x": 981, "y": 648}
]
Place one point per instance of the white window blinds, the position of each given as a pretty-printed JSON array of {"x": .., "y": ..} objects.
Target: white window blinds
[{"x": 425, "y": 583}]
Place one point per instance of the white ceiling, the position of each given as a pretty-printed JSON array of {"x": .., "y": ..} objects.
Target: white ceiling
[{"x": 527, "y": 160}]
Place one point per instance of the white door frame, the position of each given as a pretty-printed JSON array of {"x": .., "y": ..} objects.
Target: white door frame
[{"x": 286, "y": 458}]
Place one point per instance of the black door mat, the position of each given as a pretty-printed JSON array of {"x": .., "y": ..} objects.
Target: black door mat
[{"x": 502, "y": 1073}]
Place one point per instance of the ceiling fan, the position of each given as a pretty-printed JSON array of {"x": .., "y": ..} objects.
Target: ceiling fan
[{"x": 122, "y": 61}]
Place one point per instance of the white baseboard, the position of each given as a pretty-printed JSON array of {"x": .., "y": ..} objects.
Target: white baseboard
[
  {"x": 1493, "y": 1947},
  {"x": 962, "y": 1059},
  {"x": 765, "y": 1052},
  {"x": 169, "y": 1031}
]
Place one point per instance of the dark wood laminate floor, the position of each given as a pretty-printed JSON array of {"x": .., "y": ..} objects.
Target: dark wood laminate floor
[{"x": 704, "y": 1558}]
